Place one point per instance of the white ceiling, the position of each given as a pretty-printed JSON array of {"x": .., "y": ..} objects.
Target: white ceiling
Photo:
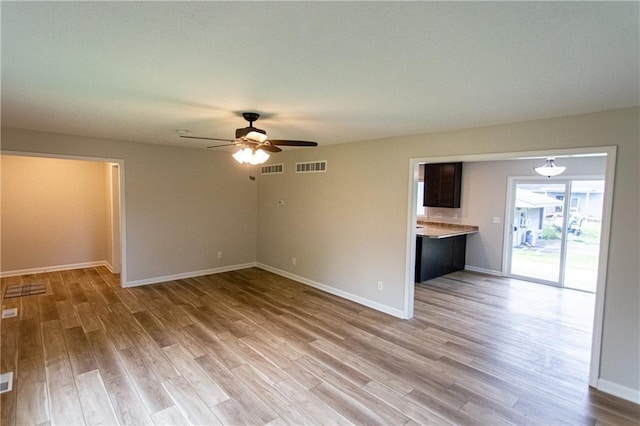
[{"x": 325, "y": 71}]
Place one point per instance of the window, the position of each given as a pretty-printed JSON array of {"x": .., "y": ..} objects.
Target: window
[
  {"x": 574, "y": 203},
  {"x": 559, "y": 208},
  {"x": 421, "y": 210}
]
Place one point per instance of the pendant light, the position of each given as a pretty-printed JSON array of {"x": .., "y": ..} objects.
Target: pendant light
[{"x": 549, "y": 168}]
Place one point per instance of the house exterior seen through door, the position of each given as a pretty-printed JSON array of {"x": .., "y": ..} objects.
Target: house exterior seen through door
[{"x": 555, "y": 233}]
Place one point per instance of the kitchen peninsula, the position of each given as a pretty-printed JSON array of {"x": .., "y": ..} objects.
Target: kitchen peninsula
[{"x": 440, "y": 248}]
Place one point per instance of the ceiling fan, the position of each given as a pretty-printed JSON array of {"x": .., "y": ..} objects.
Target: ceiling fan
[{"x": 253, "y": 142}]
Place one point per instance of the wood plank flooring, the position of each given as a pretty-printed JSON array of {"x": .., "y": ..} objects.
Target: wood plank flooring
[{"x": 250, "y": 347}]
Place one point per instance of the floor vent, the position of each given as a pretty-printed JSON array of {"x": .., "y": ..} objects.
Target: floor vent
[
  {"x": 10, "y": 313},
  {"x": 311, "y": 167},
  {"x": 272, "y": 169},
  {"x": 6, "y": 382},
  {"x": 17, "y": 290}
]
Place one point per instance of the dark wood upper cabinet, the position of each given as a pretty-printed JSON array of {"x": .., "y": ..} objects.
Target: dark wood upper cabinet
[{"x": 442, "y": 184}]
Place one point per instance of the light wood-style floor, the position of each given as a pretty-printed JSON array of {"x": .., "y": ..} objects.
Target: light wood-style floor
[{"x": 250, "y": 347}]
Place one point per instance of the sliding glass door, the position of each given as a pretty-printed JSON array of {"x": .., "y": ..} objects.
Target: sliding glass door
[
  {"x": 555, "y": 232},
  {"x": 583, "y": 234},
  {"x": 536, "y": 249}
]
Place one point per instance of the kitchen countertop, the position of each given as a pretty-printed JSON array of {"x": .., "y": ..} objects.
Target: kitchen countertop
[{"x": 444, "y": 230}]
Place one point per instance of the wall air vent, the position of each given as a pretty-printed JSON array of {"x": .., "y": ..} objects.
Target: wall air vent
[
  {"x": 272, "y": 169},
  {"x": 6, "y": 382},
  {"x": 10, "y": 313},
  {"x": 312, "y": 167}
]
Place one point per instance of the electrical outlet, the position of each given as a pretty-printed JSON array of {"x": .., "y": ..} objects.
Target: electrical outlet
[
  {"x": 293, "y": 261},
  {"x": 496, "y": 219},
  {"x": 380, "y": 286},
  {"x": 219, "y": 255}
]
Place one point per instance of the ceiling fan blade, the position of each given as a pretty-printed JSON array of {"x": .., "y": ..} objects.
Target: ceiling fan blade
[
  {"x": 270, "y": 148},
  {"x": 284, "y": 142},
  {"x": 207, "y": 139},
  {"x": 226, "y": 144}
]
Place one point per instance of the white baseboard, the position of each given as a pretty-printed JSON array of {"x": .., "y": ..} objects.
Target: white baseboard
[
  {"x": 337, "y": 292},
  {"x": 191, "y": 274},
  {"x": 111, "y": 268},
  {"x": 620, "y": 391},
  {"x": 56, "y": 268},
  {"x": 482, "y": 270}
]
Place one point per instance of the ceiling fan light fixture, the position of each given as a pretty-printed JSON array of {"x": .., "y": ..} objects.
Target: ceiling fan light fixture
[
  {"x": 256, "y": 136},
  {"x": 243, "y": 155},
  {"x": 248, "y": 155},
  {"x": 549, "y": 168},
  {"x": 259, "y": 157},
  {"x": 252, "y": 142}
]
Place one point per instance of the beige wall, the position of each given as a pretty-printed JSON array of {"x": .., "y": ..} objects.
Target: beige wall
[
  {"x": 347, "y": 227},
  {"x": 53, "y": 213},
  {"x": 181, "y": 205}
]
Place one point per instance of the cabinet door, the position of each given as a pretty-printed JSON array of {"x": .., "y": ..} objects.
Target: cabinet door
[
  {"x": 442, "y": 185},
  {"x": 439, "y": 256},
  {"x": 431, "y": 185},
  {"x": 458, "y": 252},
  {"x": 433, "y": 257}
]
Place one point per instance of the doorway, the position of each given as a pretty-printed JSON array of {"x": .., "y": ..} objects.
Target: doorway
[
  {"x": 609, "y": 152},
  {"x": 110, "y": 244},
  {"x": 555, "y": 231}
]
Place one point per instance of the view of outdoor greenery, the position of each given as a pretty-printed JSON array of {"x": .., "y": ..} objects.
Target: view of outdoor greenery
[{"x": 582, "y": 255}]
